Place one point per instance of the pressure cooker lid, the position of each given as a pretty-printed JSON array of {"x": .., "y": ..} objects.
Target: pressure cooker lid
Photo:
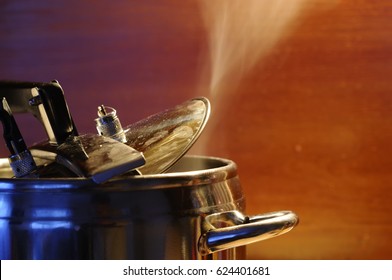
[
  {"x": 154, "y": 143},
  {"x": 165, "y": 137}
]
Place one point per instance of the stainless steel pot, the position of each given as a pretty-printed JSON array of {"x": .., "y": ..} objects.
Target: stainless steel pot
[{"x": 194, "y": 211}]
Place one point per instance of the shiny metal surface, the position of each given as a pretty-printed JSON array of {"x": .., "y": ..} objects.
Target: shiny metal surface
[
  {"x": 160, "y": 216},
  {"x": 166, "y": 136},
  {"x": 109, "y": 125},
  {"x": 231, "y": 229},
  {"x": 91, "y": 156},
  {"x": 5, "y": 168}
]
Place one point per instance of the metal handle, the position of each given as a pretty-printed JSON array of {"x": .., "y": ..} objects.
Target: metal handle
[
  {"x": 45, "y": 101},
  {"x": 232, "y": 229}
]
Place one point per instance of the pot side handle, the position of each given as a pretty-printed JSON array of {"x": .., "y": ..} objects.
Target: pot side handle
[{"x": 231, "y": 229}]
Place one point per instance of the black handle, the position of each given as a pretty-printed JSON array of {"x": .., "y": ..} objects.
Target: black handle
[
  {"x": 12, "y": 136},
  {"x": 45, "y": 101}
]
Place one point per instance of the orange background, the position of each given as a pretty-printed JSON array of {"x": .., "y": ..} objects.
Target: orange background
[{"x": 309, "y": 126}]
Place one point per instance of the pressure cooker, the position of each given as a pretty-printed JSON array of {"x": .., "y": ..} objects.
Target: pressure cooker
[{"x": 123, "y": 193}]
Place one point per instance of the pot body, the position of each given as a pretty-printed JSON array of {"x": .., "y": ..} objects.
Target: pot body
[{"x": 137, "y": 217}]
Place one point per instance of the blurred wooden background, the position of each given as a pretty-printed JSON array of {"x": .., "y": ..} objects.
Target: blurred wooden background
[{"x": 309, "y": 125}]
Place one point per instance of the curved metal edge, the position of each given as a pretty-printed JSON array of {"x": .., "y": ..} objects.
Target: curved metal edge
[
  {"x": 209, "y": 171},
  {"x": 232, "y": 229},
  {"x": 195, "y": 136}
]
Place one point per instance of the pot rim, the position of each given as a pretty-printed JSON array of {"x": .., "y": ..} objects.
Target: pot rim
[{"x": 215, "y": 170}]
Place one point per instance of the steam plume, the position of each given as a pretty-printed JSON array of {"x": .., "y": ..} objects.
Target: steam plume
[{"x": 241, "y": 32}]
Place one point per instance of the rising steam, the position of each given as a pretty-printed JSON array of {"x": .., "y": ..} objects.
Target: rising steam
[{"x": 241, "y": 32}]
